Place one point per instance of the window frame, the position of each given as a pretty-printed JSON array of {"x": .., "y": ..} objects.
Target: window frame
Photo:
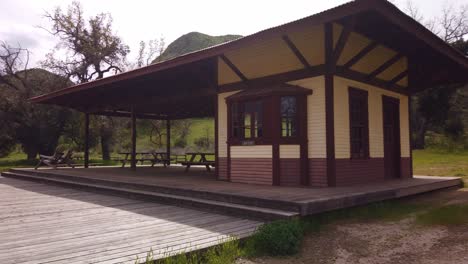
[
  {"x": 296, "y": 119},
  {"x": 362, "y": 96}
]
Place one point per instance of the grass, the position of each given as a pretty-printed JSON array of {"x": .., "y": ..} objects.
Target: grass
[
  {"x": 433, "y": 162},
  {"x": 448, "y": 215}
]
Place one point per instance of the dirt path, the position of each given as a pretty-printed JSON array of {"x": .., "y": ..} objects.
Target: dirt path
[{"x": 385, "y": 242}]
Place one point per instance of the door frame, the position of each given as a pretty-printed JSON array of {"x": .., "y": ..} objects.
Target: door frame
[{"x": 392, "y": 100}]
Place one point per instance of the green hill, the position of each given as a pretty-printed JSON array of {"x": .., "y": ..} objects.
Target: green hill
[{"x": 191, "y": 42}]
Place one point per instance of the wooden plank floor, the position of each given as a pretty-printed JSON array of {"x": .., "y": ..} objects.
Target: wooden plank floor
[
  {"x": 48, "y": 224},
  {"x": 198, "y": 179}
]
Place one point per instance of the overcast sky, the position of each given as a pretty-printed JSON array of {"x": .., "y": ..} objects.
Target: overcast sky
[{"x": 137, "y": 20}]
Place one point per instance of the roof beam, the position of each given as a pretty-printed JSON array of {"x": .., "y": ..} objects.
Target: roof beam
[
  {"x": 361, "y": 77},
  {"x": 361, "y": 54},
  {"x": 296, "y": 51},
  {"x": 344, "y": 36},
  {"x": 398, "y": 78},
  {"x": 385, "y": 66},
  {"x": 234, "y": 68}
]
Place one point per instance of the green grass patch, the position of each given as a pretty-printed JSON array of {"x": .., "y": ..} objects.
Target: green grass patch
[
  {"x": 455, "y": 214},
  {"x": 436, "y": 162},
  {"x": 279, "y": 238}
]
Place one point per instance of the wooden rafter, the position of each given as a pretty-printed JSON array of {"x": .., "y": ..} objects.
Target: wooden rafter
[
  {"x": 362, "y": 77},
  {"x": 234, "y": 68},
  {"x": 385, "y": 66},
  {"x": 398, "y": 78},
  {"x": 361, "y": 54},
  {"x": 296, "y": 51},
  {"x": 348, "y": 28}
]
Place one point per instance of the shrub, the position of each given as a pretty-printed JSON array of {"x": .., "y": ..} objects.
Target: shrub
[
  {"x": 279, "y": 238},
  {"x": 180, "y": 143}
]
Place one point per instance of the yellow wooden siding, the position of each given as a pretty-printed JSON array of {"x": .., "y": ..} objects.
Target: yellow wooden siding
[
  {"x": 341, "y": 108},
  {"x": 222, "y": 124},
  {"x": 265, "y": 57},
  {"x": 374, "y": 59},
  {"x": 400, "y": 66},
  {"x": 252, "y": 151},
  {"x": 310, "y": 42},
  {"x": 225, "y": 74},
  {"x": 356, "y": 43},
  {"x": 316, "y": 129},
  {"x": 290, "y": 152}
]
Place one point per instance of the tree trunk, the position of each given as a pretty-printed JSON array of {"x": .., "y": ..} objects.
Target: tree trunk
[
  {"x": 419, "y": 140},
  {"x": 105, "y": 146},
  {"x": 32, "y": 153}
]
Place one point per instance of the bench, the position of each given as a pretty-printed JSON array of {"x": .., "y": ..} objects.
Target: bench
[{"x": 207, "y": 164}]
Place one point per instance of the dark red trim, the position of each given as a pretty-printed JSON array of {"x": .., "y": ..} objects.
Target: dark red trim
[
  {"x": 168, "y": 140},
  {"x": 344, "y": 36},
  {"x": 216, "y": 121},
  {"x": 364, "y": 78},
  {"x": 274, "y": 79},
  {"x": 296, "y": 51},
  {"x": 86, "y": 141},
  {"x": 133, "y": 152},
  {"x": 275, "y": 136},
  {"x": 304, "y": 142},
  {"x": 228, "y": 143},
  {"x": 398, "y": 78},
  {"x": 385, "y": 66},
  {"x": 396, "y": 101},
  {"x": 361, "y": 54},
  {"x": 234, "y": 68},
  {"x": 410, "y": 123},
  {"x": 329, "y": 105}
]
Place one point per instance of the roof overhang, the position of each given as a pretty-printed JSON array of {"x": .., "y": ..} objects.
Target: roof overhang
[{"x": 185, "y": 86}]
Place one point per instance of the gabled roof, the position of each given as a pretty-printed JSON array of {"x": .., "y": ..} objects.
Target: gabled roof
[{"x": 382, "y": 8}]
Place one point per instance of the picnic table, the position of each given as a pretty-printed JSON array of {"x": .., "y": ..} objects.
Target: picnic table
[
  {"x": 201, "y": 161},
  {"x": 153, "y": 157}
]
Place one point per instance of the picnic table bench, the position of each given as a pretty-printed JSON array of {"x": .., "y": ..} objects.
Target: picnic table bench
[
  {"x": 202, "y": 161},
  {"x": 153, "y": 157}
]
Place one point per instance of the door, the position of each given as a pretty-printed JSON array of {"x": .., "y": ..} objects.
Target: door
[{"x": 391, "y": 123}]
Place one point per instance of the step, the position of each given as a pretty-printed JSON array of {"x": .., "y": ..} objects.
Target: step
[
  {"x": 206, "y": 195},
  {"x": 238, "y": 210}
]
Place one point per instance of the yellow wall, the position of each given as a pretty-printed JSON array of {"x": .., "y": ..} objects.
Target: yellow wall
[
  {"x": 290, "y": 152},
  {"x": 222, "y": 124},
  {"x": 315, "y": 115},
  {"x": 252, "y": 152},
  {"x": 341, "y": 109},
  {"x": 225, "y": 74}
]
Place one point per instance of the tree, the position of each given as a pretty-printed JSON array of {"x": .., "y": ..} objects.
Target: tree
[
  {"x": 435, "y": 108},
  {"x": 37, "y": 128},
  {"x": 148, "y": 52},
  {"x": 91, "y": 49}
]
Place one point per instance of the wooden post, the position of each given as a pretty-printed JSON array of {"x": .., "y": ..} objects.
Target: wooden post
[
  {"x": 133, "y": 155},
  {"x": 86, "y": 143},
  {"x": 330, "y": 68},
  {"x": 168, "y": 140}
]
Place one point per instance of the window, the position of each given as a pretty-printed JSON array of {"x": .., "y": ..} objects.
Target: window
[
  {"x": 288, "y": 116},
  {"x": 247, "y": 120},
  {"x": 359, "y": 123}
]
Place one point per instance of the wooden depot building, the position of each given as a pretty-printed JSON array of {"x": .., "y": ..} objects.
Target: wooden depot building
[{"x": 322, "y": 101}]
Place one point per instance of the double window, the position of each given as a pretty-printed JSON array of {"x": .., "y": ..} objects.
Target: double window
[
  {"x": 247, "y": 119},
  {"x": 259, "y": 121},
  {"x": 359, "y": 123}
]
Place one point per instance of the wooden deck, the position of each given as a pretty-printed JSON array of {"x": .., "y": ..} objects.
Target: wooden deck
[
  {"x": 199, "y": 188},
  {"x": 49, "y": 224}
]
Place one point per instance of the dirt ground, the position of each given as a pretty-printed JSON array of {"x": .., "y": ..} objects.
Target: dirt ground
[{"x": 385, "y": 241}]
